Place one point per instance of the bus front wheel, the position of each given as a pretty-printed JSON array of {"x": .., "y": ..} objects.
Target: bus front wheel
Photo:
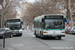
[
  {"x": 36, "y": 36},
  {"x": 11, "y": 35},
  {"x": 35, "y": 33}
]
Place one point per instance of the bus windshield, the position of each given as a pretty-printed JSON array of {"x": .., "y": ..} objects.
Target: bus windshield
[
  {"x": 54, "y": 24},
  {"x": 14, "y": 26}
]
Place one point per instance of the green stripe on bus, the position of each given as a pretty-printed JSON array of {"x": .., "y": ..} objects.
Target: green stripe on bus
[
  {"x": 50, "y": 29},
  {"x": 53, "y": 29}
]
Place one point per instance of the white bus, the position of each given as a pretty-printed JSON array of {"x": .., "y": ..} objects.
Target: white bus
[
  {"x": 15, "y": 25},
  {"x": 49, "y": 26}
]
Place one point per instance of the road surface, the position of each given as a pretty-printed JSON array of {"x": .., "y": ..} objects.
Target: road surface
[{"x": 29, "y": 42}]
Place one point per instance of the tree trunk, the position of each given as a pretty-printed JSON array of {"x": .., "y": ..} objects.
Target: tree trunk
[{"x": 2, "y": 19}]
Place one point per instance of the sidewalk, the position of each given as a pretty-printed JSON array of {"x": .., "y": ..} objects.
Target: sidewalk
[
  {"x": 1, "y": 45},
  {"x": 3, "y": 48}
]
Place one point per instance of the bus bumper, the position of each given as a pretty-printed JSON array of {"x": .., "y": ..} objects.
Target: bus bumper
[
  {"x": 17, "y": 33},
  {"x": 54, "y": 35}
]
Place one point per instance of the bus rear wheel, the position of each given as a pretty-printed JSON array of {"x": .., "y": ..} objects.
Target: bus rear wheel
[
  {"x": 59, "y": 38},
  {"x": 36, "y": 36},
  {"x": 41, "y": 35},
  {"x": 11, "y": 35}
]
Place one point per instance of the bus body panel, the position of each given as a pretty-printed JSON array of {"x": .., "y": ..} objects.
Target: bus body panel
[
  {"x": 51, "y": 33},
  {"x": 54, "y": 32}
]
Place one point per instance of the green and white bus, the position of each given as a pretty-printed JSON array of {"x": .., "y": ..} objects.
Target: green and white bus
[
  {"x": 49, "y": 26},
  {"x": 15, "y": 25}
]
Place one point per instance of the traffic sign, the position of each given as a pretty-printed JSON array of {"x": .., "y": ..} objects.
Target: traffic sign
[{"x": 67, "y": 21}]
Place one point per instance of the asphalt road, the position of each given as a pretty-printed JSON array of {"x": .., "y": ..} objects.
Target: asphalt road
[{"x": 29, "y": 42}]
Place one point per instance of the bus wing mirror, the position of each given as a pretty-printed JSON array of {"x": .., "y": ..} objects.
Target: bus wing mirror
[
  {"x": 42, "y": 20},
  {"x": 65, "y": 19},
  {"x": 22, "y": 22}
]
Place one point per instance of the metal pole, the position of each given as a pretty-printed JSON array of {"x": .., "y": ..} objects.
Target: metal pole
[
  {"x": 1, "y": 21},
  {"x": 4, "y": 41}
]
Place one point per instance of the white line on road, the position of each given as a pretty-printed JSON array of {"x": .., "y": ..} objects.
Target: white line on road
[
  {"x": 69, "y": 39},
  {"x": 17, "y": 45},
  {"x": 10, "y": 48}
]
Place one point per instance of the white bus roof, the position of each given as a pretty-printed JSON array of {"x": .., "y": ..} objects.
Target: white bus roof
[{"x": 39, "y": 18}]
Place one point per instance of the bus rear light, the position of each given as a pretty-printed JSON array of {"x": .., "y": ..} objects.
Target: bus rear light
[
  {"x": 63, "y": 32},
  {"x": 45, "y": 32}
]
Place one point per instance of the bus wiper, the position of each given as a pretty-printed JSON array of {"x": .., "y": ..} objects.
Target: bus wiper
[
  {"x": 47, "y": 29},
  {"x": 61, "y": 29}
]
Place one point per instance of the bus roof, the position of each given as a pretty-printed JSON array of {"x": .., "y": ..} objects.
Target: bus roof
[
  {"x": 39, "y": 18},
  {"x": 13, "y": 20}
]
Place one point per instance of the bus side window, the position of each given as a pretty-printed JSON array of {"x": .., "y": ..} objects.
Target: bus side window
[
  {"x": 34, "y": 24},
  {"x": 38, "y": 25},
  {"x": 64, "y": 20},
  {"x": 41, "y": 25}
]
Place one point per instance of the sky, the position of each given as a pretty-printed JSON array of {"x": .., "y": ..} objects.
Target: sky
[{"x": 31, "y": 1}]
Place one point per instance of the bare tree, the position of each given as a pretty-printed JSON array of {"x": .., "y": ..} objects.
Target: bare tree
[
  {"x": 41, "y": 7},
  {"x": 7, "y": 7}
]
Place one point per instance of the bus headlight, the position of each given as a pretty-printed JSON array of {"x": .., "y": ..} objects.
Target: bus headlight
[
  {"x": 62, "y": 32},
  {"x": 20, "y": 31},
  {"x": 45, "y": 32}
]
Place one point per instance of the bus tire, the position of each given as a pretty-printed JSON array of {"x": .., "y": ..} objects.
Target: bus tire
[
  {"x": 21, "y": 35},
  {"x": 11, "y": 35},
  {"x": 35, "y": 33},
  {"x": 59, "y": 38},
  {"x": 36, "y": 36},
  {"x": 41, "y": 35}
]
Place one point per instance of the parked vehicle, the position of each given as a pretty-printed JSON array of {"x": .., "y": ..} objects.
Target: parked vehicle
[
  {"x": 6, "y": 31},
  {"x": 67, "y": 30},
  {"x": 72, "y": 30},
  {"x": 23, "y": 27}
]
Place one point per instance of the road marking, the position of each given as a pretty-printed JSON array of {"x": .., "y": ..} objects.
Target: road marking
[
  {"x": 17, "y": 45},
  {"x": 10, "y": 48},
  {"x": 71, "y": 39}
]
